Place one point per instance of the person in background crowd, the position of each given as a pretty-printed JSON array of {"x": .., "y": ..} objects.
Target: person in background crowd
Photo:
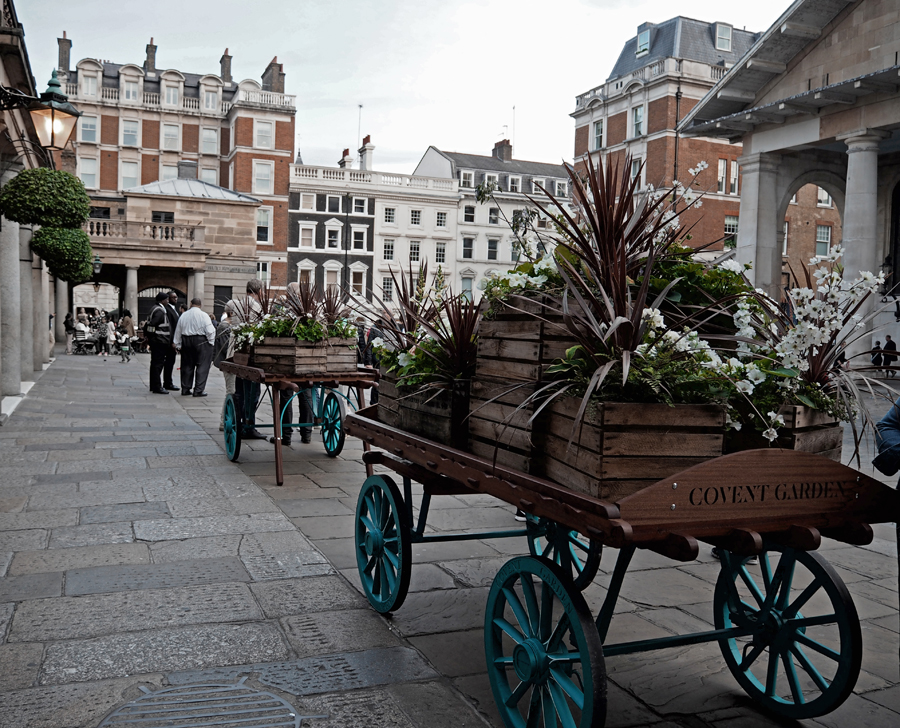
[
  {"x": 195, "y": 336},
  {"x": 246, "y": 392},
  {"x": 127, "y": 323},
  {"x": 172, "y": 315},
  {"x": 69, "y": 325},
  {"x": 877, "y": 358},
  {"x": 103, "y": 340},
  {"x": 159, "y": 333},
  {"x": 110, "y": 333},
  {"x": 890, "y": 355}
]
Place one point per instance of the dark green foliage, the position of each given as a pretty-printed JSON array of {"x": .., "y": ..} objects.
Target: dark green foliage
[
  {"x": 67, "y": 252},
  {"x": 46, "y": 197}
]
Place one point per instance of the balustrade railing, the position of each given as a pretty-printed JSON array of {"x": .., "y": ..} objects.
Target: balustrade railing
[
  {"x": 115, "y": 230},
  {"x": 269, "y": 98},
  {"x": 716, "y": 72},
  {"x": 355, "y": 176}
]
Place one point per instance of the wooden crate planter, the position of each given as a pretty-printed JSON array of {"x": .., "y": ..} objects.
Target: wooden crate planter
[
  {"x": 437, "y": 415},
  {"x": 290, "y": 356},
  {"x": 805, "y": 429},
  {"x": 340, "y": 356},
  {"x": 624, "y": 447},
  {"x": 498, "y": 426},
  {"x": 388, "y": 399}
]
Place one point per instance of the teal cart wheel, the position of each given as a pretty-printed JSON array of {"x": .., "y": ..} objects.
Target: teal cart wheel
[
  {"x": 578, "y": 556},
  {"x": 383, "y": 545},
  {"x": 232, "y": 429},
  {"x": 802, "y": 655},
  {"x": 333, "y": 412},
  {"x": 544, "y": 657}
]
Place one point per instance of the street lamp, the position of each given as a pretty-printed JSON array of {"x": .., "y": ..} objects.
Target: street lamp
[
  {"x": 51, "y": 114},
  {"x": 97, "y": 264}
]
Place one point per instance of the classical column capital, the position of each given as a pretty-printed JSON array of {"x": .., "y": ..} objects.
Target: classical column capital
[
  {"x": 863, "y": 140},
  {"x": 763, "y": 162},
  {"x": 132, "y": 267}
]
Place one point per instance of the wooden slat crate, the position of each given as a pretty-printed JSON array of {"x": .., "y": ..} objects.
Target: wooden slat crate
[
  {"x": 805, "y": 429},
  {"x": 437, "y": 415},
  {"x": 388, "y": 399},
  {"x": 498, "y": 428},
  {"x": 341, "y": 355},
  {"x": 623, "y": 447}
]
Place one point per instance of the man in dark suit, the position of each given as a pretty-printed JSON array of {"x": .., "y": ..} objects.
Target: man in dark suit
[
  {"x": 890, "y": 355},
  {"x": 172, "y": 316}
]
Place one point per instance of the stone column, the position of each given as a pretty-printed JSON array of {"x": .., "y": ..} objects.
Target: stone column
[
  {"x": 62, "y": 308},
  {"x": 26, "y": 307},
  {"x": 758, "y": 227},
  {"x": 199, "y": 283},
  {"x": 859, "y": 236},
  {"x": 131, "y": 291},
  {"x": 45, "y": 314},
  {"x": 11, "y": 306},
  {"x": 190, "y": 288},
  {"x": 38, "y": 325}
]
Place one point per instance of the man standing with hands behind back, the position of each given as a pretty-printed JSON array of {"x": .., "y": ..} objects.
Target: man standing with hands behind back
[
  {"x": 159, "y": 335},
  {"x": 195, "y": 336},
  {"x": 171, "y": 308}
]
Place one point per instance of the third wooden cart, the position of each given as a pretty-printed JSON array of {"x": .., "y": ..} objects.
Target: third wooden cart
[{"x": 786, "y": 625}]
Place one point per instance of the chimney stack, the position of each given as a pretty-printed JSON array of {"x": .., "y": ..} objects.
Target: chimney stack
[
  {"x": 150, "y": 63},
  {"x": 365, "y": 153},
  {"x": 347, "y": 161},
  {"x": 65, "y": 52},
  {"x": 503, "y": 150},
  {"x": 273, "y": 77},
  {"x": 187, "y": 170},
  {"x": 225, "y": 68}
]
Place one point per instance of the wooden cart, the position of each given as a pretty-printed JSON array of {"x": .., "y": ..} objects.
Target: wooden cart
[
  {"x": 327, "y": 402},
  {"x": 787, "y": 626}
]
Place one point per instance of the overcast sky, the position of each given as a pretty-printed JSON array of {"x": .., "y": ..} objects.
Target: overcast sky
[{"x": 441, "y": 72}]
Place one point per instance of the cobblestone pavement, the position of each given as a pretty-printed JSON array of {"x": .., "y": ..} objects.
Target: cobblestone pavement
[{"x": 134, "y": 554}]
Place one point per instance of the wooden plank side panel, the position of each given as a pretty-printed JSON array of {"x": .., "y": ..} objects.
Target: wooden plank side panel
[
  {"x": 670, "y": 443},
  {"x": 562, "y": 473},
  {"x": 527, "y": 330},
  {"x": 502, "y": 436},
  {"x": 509, "y": 349},
  {"x": 508, "y": 370},
  {"x": 505, "y": 458},
  {"x": 625, "y": 414}
]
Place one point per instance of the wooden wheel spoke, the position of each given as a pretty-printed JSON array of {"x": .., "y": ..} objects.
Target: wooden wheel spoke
[
  {"x": 772, "y": 675},
  {"x": 392, "y": 559},
  {"x": 811, "y": 670},
  {"x": 568, "y": 685},
  {"x": 510, "y": 630},
  {"x": 791, "y": 674},
  {"x": 561, "y": 705},
  {"x": 568, "y": 658},
  {"x": 503, "y": 660},
  {"x": 784, "y": 594},
  {"x": 517, "y": 694},
  {"x": 750, "y": 657},
  {"x": 801, "y": 600},
  {"x": 534, "y": 614},
  {"x": 364, "y": 517},
  {"x": 535, "y": 706},
  {"x": 546, "y": 613},
  {"x": 547, "y": 708},
  {"x": 818, "y": 647},
  {"x": 371, "y": 510},
  {"x": 559, "y": 631},
  {"x": 369, "y": 566},
  {"x": 383, "y": 580},
  {"x": 513, "y": 600},
  {"x": 574, "y": 558},
  {"x": 765, "y": 602}
]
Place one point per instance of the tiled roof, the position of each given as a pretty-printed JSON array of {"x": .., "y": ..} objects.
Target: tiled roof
[
  {"x": 191, "y": 188},
  {"x": 686, "y": 38},
  {"x": 514, "y": 166}
]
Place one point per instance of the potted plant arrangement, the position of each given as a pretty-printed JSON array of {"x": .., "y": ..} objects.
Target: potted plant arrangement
[
  {"x": 641, "y": 392},
  {"x": 303, "y": 332},
  {"x": 428, "y": 358}
]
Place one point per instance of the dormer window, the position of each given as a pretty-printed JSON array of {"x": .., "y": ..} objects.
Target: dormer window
[
  {"x": 467, "y": 179},
  {"x": 172, "y": 94},
  {"x": 643, "y": 43},
  {"x": 723, "y": 37}
]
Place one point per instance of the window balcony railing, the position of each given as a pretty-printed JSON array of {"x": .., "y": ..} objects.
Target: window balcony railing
[
  {"x": 300, "y": 173},
  {"x": 142, "y": 232}
]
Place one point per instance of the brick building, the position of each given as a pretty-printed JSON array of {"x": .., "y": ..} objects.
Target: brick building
[
  {"x": 140, "y": 123},
  {"x": 660, "y": 74}
]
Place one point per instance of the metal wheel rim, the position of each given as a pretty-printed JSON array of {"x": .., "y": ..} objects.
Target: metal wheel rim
[
  {"x": 578, "y": 556},
  {"x": 808, "y": 677},
  {"x": 544, "y": 657},
  {"x": 232, "y": 430},
  {"x": 332, "y": 425},
  {"x": 383, "y": 551}
]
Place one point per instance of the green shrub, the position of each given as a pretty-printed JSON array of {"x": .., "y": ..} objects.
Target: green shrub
[
  {"x": 46, "y": 197},
  {"x": 67, "y": 252}
]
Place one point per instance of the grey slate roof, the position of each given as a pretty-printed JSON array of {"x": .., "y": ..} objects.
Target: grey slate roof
[
  {"x": 194, "y": 188},
  {"x": 514, "y": 166},
  {"x": 152, "y": 85},
  {"x": 686, "y": 38}
]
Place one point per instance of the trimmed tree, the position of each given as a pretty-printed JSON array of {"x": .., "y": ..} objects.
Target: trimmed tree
[
  {"x": 47, "y": 197},
  {"x": 67, "y": 252}
]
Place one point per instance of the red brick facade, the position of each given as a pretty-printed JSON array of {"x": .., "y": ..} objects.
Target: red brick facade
[
  {"x": 109, "y": 130},
  {"x": 109, "y": 170},
  {"x": 150, "y": 134},
  {"x": 803, "y": 219},
  {"x": 149, "y": 168},
  {"x": 615, "y": 132},
  {"x": 190, "y": 138}
]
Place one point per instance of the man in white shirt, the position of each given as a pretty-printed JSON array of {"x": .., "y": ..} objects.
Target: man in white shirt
[{"x": 194, "y": 338}]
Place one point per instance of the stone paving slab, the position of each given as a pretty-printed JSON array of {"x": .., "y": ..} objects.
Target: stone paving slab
[
  {"x": 77, "y": 477},
  {"x": 35, "y": 538},
  {"x": 180, "y": 648},
  {"x": 127, "y": 511},
  {"x": 47, "y": 519},
  {"x": 30, "y": 586},
  {"x": 21, "y": 664},
  {"x": 213, "y": 526},
  {"x": 206, "y": 547},
  {"x": 311, "y": 675},
  {"x": 93, "y": 616},
  {"x": 338, "y": 631},
  {"x": 30, "y": 562},
  {"x": 66, "y": 706},
  {"x": 105, "y": 579}
]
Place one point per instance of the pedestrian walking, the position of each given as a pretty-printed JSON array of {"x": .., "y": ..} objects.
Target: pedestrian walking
[
  {"x": 159, "y": 333},
  {"x": 127, "y": 323},
  {"x": 195, "y": 336},
  {"x": 890, "y": 356},
  {"x": 877, "y": 357},
  {"x": 103, "y": 339},
  {"x": 69, "y": 325},
  {"x": 172, "y": 315}
]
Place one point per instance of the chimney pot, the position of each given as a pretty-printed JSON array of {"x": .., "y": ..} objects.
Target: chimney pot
[
  {"x": 366, "y": 153},
  {"x": 150, "y": 63},
  {"x": 346, "y": 160},
  {"x": 273, "y": 77},
  {"x": 225, "y": 68},
  {"x": 65, "y": 52}
]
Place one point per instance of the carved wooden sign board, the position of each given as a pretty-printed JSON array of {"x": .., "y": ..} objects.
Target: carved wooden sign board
[{"x": 765, "y": 491}]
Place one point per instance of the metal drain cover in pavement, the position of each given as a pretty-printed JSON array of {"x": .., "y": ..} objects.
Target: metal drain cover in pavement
[{"x": 190, "y": 706}]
